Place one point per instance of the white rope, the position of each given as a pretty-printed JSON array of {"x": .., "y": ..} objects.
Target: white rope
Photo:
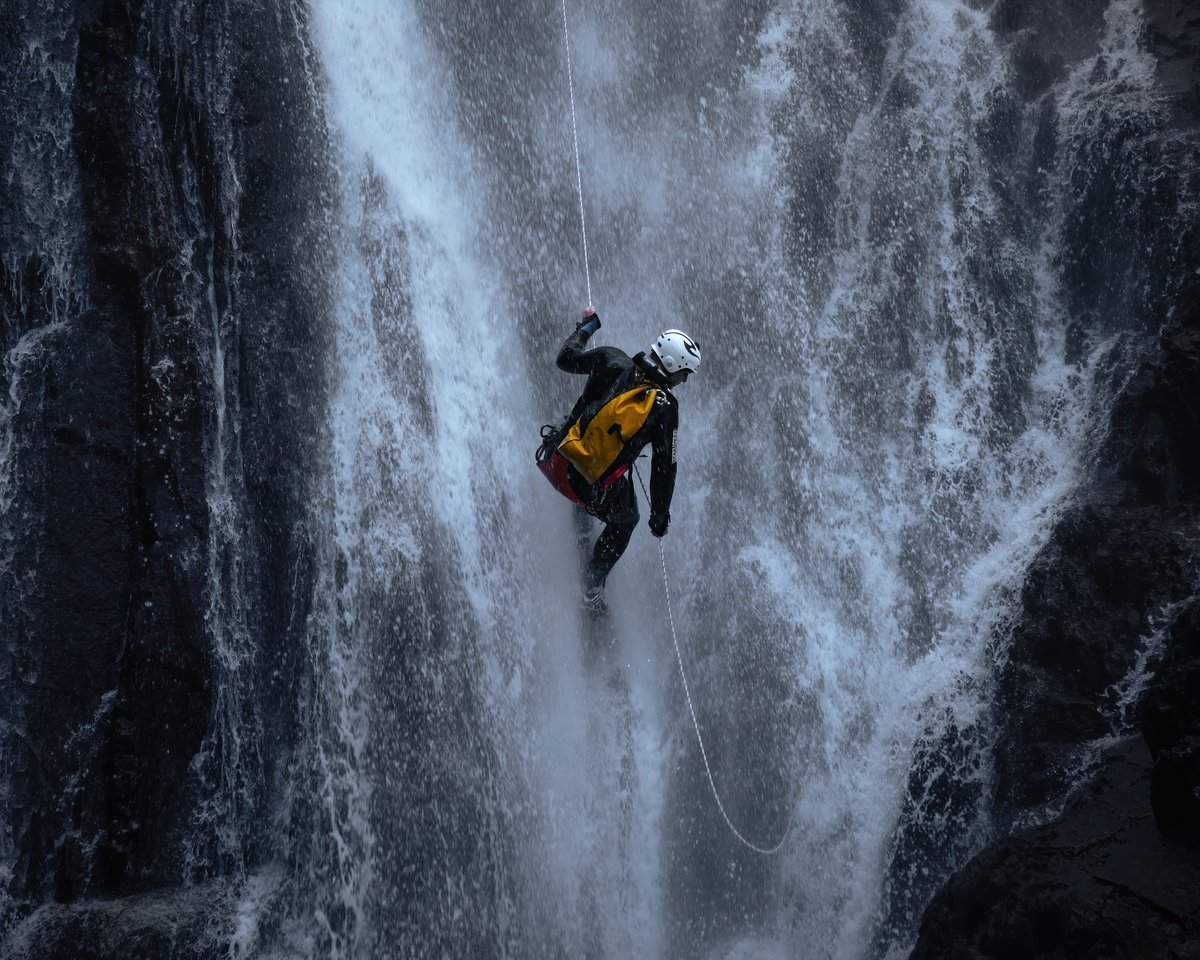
[
  {"x": 587, "y": 269},
  {"x": 662, "y": 552}
]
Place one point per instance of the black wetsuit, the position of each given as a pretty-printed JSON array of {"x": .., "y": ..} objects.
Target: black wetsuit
[{"x": 611, "y": 371}]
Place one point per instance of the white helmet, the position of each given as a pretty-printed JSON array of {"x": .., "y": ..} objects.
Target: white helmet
[{"x": 676, "y": 351}]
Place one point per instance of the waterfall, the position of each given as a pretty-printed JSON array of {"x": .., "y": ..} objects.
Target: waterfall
[
  {"x": 891, "y": 415},
  {"x": 923, "y": 253}
]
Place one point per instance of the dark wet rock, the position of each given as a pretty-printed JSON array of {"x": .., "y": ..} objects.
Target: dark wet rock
[
  {"x": 1113, "y": 583},
  {"x": 1102, "y": 881},
  {"x": 197, "y": 922},
  {"x": 1107, "y": 611},
  {"x": 1118, "y": 872},
  {"x": 1091, "y": 602},
  {"x": 193, "y": 215},
  {"x": 1106, "y": 638},
  {"x": 1170, "y": 722}
]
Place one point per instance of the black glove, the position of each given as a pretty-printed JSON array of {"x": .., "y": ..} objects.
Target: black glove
[
  {"x": 589, "y": 324},
  {"x": 659, "y": 522}
]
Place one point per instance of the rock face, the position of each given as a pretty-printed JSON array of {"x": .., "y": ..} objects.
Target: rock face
[
  {"x": 1113, "y": 582},
  {"x": 182, "y": 924},
  {"x": 1096, "y": 630},
  {"x": 1118, "y": 872},
  {"x": 163, "y": 302},
  {"x": 1107, "y": 639},
  {"x": 1103, "y": 881},
  {"x": 1170, "y": 721}
]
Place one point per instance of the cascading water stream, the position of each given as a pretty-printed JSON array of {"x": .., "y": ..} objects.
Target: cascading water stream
[
  {"x": 435, "y": 625},
  {"x": 885, "y": 349},
  {"x": 334, "y": 248}
]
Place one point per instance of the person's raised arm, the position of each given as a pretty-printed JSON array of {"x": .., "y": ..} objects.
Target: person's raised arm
[{"x": 573, "y": 357}]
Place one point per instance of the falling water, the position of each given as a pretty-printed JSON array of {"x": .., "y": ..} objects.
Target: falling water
[
  {"x": 870, "y": 220},
  {"x": 888, "y": 419}
]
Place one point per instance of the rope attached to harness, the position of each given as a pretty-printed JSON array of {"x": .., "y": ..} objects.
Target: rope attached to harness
[
  {"x": 587, "y": 269},
  {"x": 662, "y": 552}
]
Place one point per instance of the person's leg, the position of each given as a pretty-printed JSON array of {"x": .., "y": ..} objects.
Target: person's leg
[
  {"x": 609, "y": 547},
  {"x": 583, "y": 530},
  {"x": 620, "y": 520}
]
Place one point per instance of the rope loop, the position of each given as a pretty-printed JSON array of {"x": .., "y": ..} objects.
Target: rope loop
[{"x": 662, "y": 552}]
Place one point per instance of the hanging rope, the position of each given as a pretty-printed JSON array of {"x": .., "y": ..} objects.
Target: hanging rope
[
  {"x": 662, "y": 552},
  {"x": 587, "y": 269}
]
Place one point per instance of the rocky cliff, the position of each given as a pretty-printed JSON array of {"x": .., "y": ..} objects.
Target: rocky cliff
[
  {"x": 1117, "y": 873},
  {"x": 162, "y": 304},
  {"x": 1101, "y": 668}
]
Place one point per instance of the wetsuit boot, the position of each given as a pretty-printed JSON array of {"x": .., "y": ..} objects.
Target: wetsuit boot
[{"x": 593, "y": 589}]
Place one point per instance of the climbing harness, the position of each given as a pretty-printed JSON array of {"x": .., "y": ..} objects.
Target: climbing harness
[
  {"x": 556, "y": 468},
  {"x": 587, "y": 269},
  {"x": 548, "y": 462},
  {"x": 662, "y": 553}
]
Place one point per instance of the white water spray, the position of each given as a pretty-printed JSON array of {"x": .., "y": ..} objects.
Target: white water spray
[{"x": 851, "y": 546}]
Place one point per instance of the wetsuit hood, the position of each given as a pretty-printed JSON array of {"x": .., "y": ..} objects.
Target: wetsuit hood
[{"x": 653, "y": 372}]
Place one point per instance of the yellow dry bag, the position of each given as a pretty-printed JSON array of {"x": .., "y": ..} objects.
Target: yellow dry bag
[{"x": 594, "y": 444}]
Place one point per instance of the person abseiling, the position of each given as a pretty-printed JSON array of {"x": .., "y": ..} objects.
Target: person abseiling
[{"x": 626, "y": 404}]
